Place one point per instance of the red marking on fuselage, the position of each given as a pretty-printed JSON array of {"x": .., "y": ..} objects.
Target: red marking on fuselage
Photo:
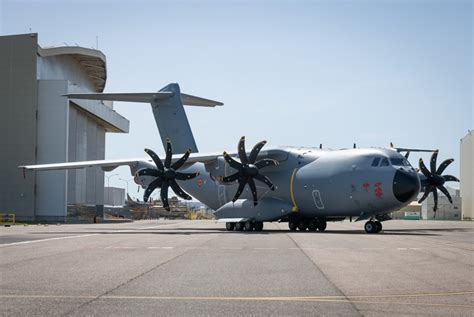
[{"x": 378, "y": 190}]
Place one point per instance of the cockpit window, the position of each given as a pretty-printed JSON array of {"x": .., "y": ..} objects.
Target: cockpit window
[
  {"x": 376, "y": 161},
  {"x": 399, "y": 162},
  {"x": 384, "y": 162}
]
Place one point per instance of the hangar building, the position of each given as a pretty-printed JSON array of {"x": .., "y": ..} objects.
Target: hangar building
[
  {"x": 39, "y": 125},
  {"x": 467, "y": 175}
]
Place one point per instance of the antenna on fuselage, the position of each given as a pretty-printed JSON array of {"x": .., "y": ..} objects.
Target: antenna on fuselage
[{"x": 355, "y": 146}]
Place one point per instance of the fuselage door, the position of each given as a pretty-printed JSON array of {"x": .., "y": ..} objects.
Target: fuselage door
[
  {"x": 317, "y": 199},
  {"x": 221, "y": 195}
]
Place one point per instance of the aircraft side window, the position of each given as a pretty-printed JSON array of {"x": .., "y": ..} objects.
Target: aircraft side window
[
  {"x": 376, "y": 161},
  {"x": 384, "y": 162}
]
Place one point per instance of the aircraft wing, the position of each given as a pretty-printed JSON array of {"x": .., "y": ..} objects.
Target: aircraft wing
[
  {"x": 108, "y": 165},
  {"x": 104, "y": 164}
]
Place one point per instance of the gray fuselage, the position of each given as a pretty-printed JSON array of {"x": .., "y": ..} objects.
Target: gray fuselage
[{"x": 318, "y": 182}]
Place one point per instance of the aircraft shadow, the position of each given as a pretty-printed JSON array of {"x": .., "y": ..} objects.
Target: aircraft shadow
[{"x": 197, "y": 231}]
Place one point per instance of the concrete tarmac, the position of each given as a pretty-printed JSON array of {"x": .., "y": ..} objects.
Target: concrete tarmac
[{"x": 196, "y": 268}]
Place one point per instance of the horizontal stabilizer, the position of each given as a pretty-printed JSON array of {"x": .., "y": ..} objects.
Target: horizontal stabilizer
[{"x": 147, "y": 97}]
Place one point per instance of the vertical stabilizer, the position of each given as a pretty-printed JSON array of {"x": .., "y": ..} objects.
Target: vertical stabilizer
[{"x": 172, "y": 121}]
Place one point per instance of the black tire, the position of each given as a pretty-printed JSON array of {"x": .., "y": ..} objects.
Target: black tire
[
  {"x": 322, "y": 225},
  {"x": 230, "y": 226},
  {"x": 370, "y": 227},
  {"x": 292, "y": 225},
  {"x": 378, "y": 226},
  {"x": 313, "y": 225},
  {"x": 248, "y": 226},
  {"x": 302, "y": 225},
  {"x": 239, "y": 226},
  {"x": 258, "y": 226}
]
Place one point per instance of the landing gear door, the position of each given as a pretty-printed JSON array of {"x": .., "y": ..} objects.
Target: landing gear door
[
  {"x": 221, "y": 195},
  {"x": 317, "y": 199}
]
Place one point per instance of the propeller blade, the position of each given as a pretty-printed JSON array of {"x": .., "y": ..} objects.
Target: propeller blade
[
  {"x": 242, "y": 183},
  {"x": 241, "y": 151},
  {"x": 149, "y": 172},
  {"x": 164, "y": 195},
  {"x": 434, "y": 156},
  {"x": 423, "y": 169},
  {"x": 185, "y": 176},
  {"x": 253, "y": 189},
  {"x": 407, "y": 154},
  {"x": 446, "y": 193},
  {"x": 169, "y": 153},
  {"x": 425, "y": 194},
  {"x": 153, "y": 185},
  {"x": 265, "y": 180},
  {"x": 155, "y": 159},
  {"x": 233, "y": 163},
  {"x": 450, "y": 178},
  {"x": 178, "y": 190},
  {"x": 266, "y": 162},
  {"x": 256, "y": 149},
  {"x": 181, "y": 161},
  {"x": 435, "y": 197},
  {"x": 443, "y": 166},
  {"x": 231, "y": 178}
]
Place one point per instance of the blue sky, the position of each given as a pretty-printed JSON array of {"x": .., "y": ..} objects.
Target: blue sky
[{"x": 293, "y": 73}]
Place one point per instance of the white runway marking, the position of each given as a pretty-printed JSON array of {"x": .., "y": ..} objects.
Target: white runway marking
[{"x": 46, "y": 240}]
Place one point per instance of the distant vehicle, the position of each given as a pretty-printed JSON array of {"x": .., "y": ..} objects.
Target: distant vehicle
[{"x": 306, "y": 187}]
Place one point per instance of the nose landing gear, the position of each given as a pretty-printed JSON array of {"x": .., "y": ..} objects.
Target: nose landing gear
[{"x": 372, "y": 226}]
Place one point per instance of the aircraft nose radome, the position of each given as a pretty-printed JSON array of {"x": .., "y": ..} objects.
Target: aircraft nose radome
[{"x": 405, "y": 185}]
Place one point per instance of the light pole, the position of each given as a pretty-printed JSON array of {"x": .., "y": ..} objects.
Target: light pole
[
  {"x": 108, "y": 185},
  {"x": 126, "y": 181}
]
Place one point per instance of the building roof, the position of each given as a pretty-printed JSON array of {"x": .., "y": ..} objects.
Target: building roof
[{"x": 93, "y": 61}]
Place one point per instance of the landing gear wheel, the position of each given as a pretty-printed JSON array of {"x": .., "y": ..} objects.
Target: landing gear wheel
[
  {"x": 370, "y": 227},
  {"x": 239, "y": 226},
  {"x": 322, "y": 224},
  {"x": 230, "y": 226},
  {"x": 302, "y": 225},
  {"x": 258, "y": 226},
  {"x": 292, "y": 225},
  {"x": 248, "y": 226},
  {"x": 313, "y": 225},
  {"x": 378, "y": 226}
]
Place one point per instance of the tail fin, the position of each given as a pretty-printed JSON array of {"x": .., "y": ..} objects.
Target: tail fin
[
  {"x": 172, "y": 121},
  {"x": 168, "y": 110}
]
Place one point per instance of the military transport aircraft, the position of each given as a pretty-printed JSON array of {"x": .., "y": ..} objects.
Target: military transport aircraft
[{"x": 306, "y": 187}]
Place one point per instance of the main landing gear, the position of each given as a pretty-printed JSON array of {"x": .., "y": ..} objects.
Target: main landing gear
[
  {"x": 372, "y": 226},
  {"x": 244, "y": 226},
  {"x": 316, "y": 224}
]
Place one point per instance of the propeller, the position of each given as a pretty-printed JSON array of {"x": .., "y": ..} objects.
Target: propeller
[
  {"x": 435, "y": 180},
  {"x": 166, "y": 175},
  {"x": 248, "y": 170}
]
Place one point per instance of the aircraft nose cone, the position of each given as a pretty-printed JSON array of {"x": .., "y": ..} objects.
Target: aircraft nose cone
[{"x": 405, "y": 185}]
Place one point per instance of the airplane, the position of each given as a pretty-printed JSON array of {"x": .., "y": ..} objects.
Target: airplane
[{"x": 306, "y": 187}]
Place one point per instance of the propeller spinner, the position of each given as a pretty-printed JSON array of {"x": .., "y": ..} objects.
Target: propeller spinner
[
  {"x": 166, "y": 175},
  {"x": 435, "y": 180},
  {"x": 248, "y": 169}
]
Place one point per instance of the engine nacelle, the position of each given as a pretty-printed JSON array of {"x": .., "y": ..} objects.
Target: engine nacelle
[{"x": 143, "y": 180}]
